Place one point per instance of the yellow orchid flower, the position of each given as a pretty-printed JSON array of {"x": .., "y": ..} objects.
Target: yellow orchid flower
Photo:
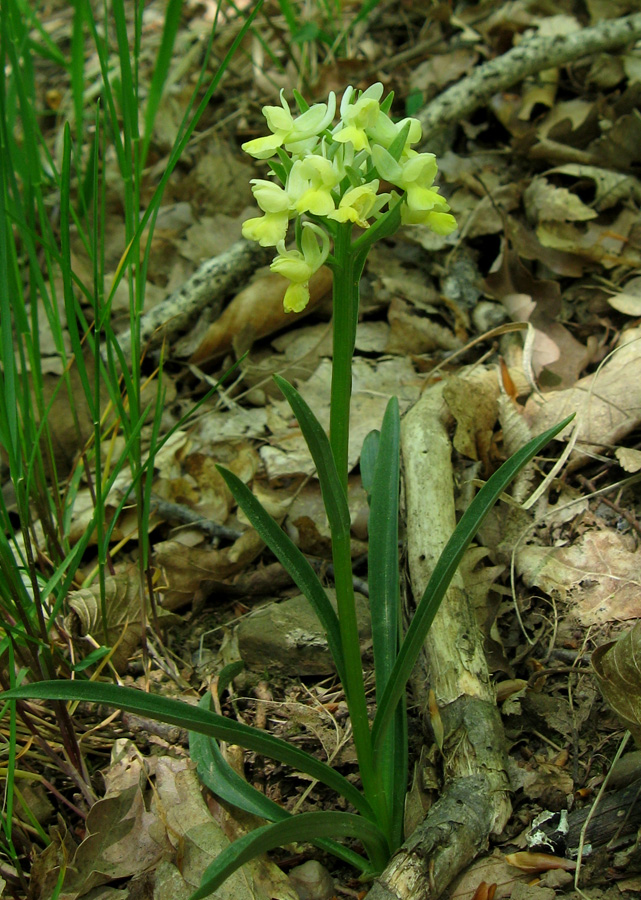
[
  {"x": 299, "y": 265},
  {"x": 310, "y": 184},
  {"x": 357, "y": 118},
  {"x": 298, "y": 135},
  {"x": 296, "y": 298},
  {"x": 358, "y": 204},
  {"x": 415, "y": 175},
  {"x": 267, "y": 230},
  {"x": 439, "y": 222}
]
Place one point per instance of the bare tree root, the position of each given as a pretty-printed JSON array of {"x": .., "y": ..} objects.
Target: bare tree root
[
  {"x": 475, "y": 801},
  {"x": 533, "y": 55}
]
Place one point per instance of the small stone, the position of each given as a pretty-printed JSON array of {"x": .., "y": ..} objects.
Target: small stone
[
  {"x": 312, "y": 881},
  {"x": 287, "y": 637}
]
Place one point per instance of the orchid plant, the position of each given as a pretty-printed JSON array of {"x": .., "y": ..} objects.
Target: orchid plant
[{"x": 327, "y": 179}]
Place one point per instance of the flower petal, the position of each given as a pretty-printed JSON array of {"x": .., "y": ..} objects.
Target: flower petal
[{"x": 268, "y": 230}]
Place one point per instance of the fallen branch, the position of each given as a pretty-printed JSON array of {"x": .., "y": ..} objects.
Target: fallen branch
[
  {"x": 533, "y": 55},
  {"x": 475, "y": 800}
]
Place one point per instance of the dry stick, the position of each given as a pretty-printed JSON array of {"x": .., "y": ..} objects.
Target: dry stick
[
  {"x": 208, "y": 285},
  {"x": 531, "y": 56},
  {"x": 475, "y": 802}
]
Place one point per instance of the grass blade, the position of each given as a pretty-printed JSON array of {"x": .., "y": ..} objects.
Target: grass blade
[
  {"x": 161, "y": 71},
  {"x": 334, "y": 499}
]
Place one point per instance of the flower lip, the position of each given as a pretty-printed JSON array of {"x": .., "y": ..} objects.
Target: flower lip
[{"x": 299, "y": 265}]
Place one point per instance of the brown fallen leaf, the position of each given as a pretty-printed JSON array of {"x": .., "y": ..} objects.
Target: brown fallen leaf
[
  {"x": 538, "y": 301},
  {"x": 617, "y": 668},
  {"x": 124, "y": 594},
  {"x": 259, "y": 308},
  {"x": 607, "y": 402},
  {"x": 598, "y": 574}
]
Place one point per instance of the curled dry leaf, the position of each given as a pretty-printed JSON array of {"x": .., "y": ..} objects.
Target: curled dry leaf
[
  {"x": 539, "y": 862},
  {"x": 124, "y": 594},
  {"x": 628, "y": 458},
  {"x": 617, "y": 667},
  {"x": 194, "y": 573},
  {"x": 605, "y": 412}
]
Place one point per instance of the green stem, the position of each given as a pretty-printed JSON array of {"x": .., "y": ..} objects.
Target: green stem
[
  {"x": 347, "y": 269},
  {"x": 346, "y": 282}
]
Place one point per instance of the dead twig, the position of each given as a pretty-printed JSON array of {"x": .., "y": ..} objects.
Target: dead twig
[{"x": 533, "y": 55}]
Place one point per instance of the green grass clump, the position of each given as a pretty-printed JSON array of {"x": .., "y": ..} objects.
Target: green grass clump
[{"x": 52, "y": 198}]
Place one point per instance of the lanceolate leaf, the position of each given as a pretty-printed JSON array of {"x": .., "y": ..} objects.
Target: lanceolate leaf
[
  {"x": 334, "y": 498},
  {"x": 443, "y": 573},
  {"x": 215, "y": 772},
  {"x": 369, "y": 452},
  {"x": 176, "y": 712},
  {"x": 383, "y": 548},
  {"x": 293, "y": 560},
  {"x": 304, "y": 827},
  {"x": 384, "y": 601}
]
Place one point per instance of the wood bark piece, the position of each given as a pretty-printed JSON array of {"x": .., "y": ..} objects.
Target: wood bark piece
[
  {"x": 617, "y": 815},
  {"x": 531, "y": 56},
  {"x": 208, "y": 285},
  {"x": 475, "y": 800}
]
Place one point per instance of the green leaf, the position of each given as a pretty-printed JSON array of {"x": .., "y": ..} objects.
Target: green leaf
[
  {"x": 215, "y": 773},
  {"x": 387, "y": 225},
  {"x": 304, "y": 827},
  {"x": 293, "y": 560},
  {"x": 175, "y": 712},
  {"x": 227, "y": 675},
  {"x": 442, "y": 575},
  {"x": 396, "y": 147},
  {"x": 279, "y": 170},
  {"x": 91, "y": 658},
  {"x": 384, "y": 600},
  {"x": 368, "y": 461},
  {"x": 414, "y": 102},
  {"x": 383, "y": 548},
  {"x": 334, "y": 498},
  {"x": 301, "y": 103}
]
